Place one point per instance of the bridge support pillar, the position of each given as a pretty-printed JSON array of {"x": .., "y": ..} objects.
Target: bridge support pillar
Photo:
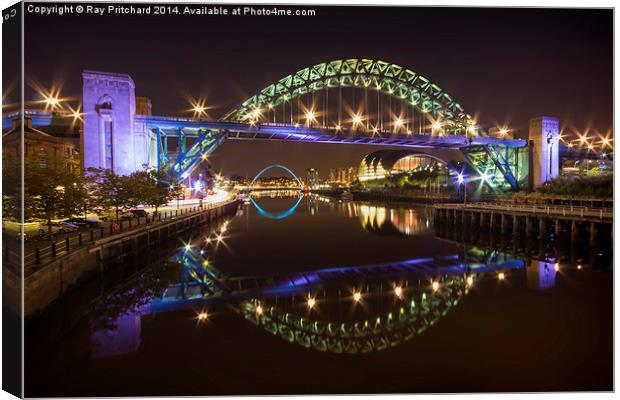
[
  {"x": 544, "y": 134},
  {"x": 492, "y": 222}
]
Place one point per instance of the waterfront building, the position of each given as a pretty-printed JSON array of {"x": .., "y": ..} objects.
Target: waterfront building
[
  {"x": 380, "y": 167},
  {"x": 52, "y": 146},
  {"x": 312, "y": 178}
]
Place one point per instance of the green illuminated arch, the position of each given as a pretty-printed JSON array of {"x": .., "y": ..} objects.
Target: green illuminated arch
[
  {"x": 413, "y": 317},
  {"x": 393, "y": 80}
]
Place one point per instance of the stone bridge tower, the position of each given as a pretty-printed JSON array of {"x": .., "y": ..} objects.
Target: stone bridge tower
[{"x": 109, "y": 140}]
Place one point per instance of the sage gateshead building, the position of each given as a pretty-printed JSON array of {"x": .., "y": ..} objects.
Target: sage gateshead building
[{"x": 384, "y": 167}]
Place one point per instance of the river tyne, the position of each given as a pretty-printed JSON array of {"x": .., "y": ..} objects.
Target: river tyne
[{"x": 308, "y": 294}]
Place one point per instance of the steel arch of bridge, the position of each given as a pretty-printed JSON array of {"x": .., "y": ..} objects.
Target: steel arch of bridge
[
  {"x": 391, "y": 79},
  {"x": 280, "y": 166}
]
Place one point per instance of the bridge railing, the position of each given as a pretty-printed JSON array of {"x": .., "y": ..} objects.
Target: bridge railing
[{"x": 44, "y": 251}]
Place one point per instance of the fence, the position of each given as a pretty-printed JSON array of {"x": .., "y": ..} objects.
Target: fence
[{"x": 58, "y": 247}]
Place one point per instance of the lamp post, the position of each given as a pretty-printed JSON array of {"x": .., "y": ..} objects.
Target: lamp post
[{"x": 461, "y": 181}]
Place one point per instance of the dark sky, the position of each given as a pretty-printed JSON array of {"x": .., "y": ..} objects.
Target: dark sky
[{"x": 506, "y": 65}]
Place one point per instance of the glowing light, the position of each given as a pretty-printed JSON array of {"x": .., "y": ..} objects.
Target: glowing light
[
  {"x": 202, "y": 316},
  {"x": 436, "y": 125},
  {"x": 205, "y": 263},
  {"x": 590, "y": 146},
  {"x": 310, "y": 116},
  {"x": 556, "y": 267},
  {"x": 503, "y": 131},
  {"x": 398, "y": 291},
  {"x": 188, "y": 247},
  {"x": 501, "y": 276},
  {"x": 460, "y": 178},
  {"x": 357, "y": 119},
  {"x": 52, "y": 101},
  {"x": 399, "y": 123},
  {"x": 471, "y": 128},
  {"x": 375, "y": 130},
  {"x": 219, "y": 238},
  {"x": 579, "y": 266},
  {"x": 311, "y": 302},
  {"x": 583, "y": 138},
  {"x": 199, "y": 109},
  {"x": 606, "y": 141},
  {"x": 338, "y": 127},
  {"x": 259, "y": 310},
  {"x": 470, "y": 280},
  {"x": 357, "y": 296},
  {"x": 435, "y": 286},
  {"x": 570, "y": 145}
]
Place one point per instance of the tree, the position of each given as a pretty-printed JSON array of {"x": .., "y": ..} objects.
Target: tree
[
  {"x": 162, "y": 187},
  {"x": 112, "y": 191},
  {"x": 51, "y": 193}
]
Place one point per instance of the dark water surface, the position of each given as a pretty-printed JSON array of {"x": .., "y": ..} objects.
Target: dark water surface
[{"x": 271, "y": 308}]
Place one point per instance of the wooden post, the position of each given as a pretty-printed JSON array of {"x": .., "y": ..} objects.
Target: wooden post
[
  {"x": 542, "y": 227},
  {"x": 574, "y": 231},
  {"x": 528, "y": 226},
  {"x": 593, "y": 234},
  {"x": 515, "y": 225},
  {"x": 504, "y": 224}
]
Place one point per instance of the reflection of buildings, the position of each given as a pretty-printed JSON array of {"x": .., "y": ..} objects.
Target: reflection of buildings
[
  {"x": 377, "y": 168},
  {"x": 343, "y": 176},
  {"x": 312, "y": 178},
  {"x": 400, "y": 221}
]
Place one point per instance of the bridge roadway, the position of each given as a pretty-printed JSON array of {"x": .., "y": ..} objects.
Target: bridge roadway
[
  {"x": 184, "y": 295},
  {"x": 246, "y": 131}
]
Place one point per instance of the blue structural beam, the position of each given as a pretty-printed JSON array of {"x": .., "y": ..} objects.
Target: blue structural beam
[
  {"x": 501, "y": 164},
  {"x": 238, "y": 130}
]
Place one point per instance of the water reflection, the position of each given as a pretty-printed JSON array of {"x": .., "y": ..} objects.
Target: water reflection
[
  {"x": 346, "y": 309},
  {"x": 339, "y": 309},
  {"x": 382, "y": 219},
  {"x": 276, "y": 194}
]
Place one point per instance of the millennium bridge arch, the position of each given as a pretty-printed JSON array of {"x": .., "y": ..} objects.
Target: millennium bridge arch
[{"x": 277, "y": 166}]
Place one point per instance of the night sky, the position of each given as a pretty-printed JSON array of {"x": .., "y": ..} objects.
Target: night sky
[{"x": 505, "y": 65}]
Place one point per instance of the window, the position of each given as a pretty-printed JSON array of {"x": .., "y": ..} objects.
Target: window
[{"x": 109, "y": 144}]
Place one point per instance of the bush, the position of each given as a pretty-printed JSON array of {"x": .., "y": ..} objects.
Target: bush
[{"x": 599, "y": 186}]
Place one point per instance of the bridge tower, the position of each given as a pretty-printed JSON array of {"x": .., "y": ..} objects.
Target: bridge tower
[
  {"x": 544, "y": 137},
  {"x": 109, "y": 140}
]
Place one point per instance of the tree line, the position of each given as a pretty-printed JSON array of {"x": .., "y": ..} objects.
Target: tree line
[{"x": 51, "y": 194}]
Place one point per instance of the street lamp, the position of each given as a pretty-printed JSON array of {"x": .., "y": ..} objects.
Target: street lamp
[{"x": 461, "y": 181}]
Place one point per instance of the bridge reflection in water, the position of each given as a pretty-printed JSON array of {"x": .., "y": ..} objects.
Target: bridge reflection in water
[{"x": 348, "y": 309}]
